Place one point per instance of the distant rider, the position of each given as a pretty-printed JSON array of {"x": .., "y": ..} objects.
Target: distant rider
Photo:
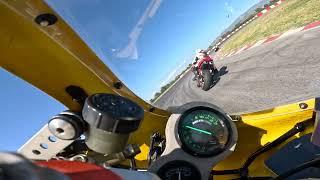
[{"x": 201, "y": 55}]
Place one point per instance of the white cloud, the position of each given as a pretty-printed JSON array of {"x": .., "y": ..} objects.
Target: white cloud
[
  {"x": 154, "y": 8},
  {"x": 131, "y": 51}
]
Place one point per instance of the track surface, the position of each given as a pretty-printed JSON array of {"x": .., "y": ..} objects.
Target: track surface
[{"x": 273, "y": 74}]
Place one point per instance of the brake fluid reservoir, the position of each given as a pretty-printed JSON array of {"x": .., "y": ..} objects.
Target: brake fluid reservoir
[{"x": 111, "y": 119}]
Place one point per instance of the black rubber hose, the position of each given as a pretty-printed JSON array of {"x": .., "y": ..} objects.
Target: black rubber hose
[
  {"x": 133, "y": 165},
  {"x": 255, "y": 178},
  {"x": 243, "y": 171},
  {"x": 299, "y": 127},
  {"x": 151, "y": 150},
  {"x": 225, "y": 172},
  {"x": 313, "y": 163}
]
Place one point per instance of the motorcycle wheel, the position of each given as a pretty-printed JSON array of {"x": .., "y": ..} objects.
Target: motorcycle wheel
[
  {"x": 215, "y": 71},
  {"x": 198, "y": 82},
  {"x": 207, "y": 80}
]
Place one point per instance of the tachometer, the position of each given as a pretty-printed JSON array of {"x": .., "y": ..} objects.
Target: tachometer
[
  {"x": 178, "y": 170},
  {"x": 203, "y": 131}
]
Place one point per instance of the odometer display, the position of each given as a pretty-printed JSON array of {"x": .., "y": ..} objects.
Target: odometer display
[{"x": 203, "y": 132}]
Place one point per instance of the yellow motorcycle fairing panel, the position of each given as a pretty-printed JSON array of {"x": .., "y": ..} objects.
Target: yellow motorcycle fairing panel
[
  {"x": 54, "y": 57},
  {"x": 258, "y": 128}
]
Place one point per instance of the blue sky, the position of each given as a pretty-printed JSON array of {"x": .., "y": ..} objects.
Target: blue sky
[
  {"x": 145, "y": 43},
  {"x": 24, "y": 110}
]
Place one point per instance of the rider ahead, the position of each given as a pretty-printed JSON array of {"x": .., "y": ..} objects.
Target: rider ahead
[{"x": 201, "y": 56}]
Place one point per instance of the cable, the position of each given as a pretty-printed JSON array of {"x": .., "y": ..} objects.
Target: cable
[
  {"x": 133, "y": 165},
  {"x": 225, "y": 172},
  {"x": 315, "y": 162},
  {"x": 299, "y": 127},
  {"x": 255, "y": 178},
  {"x": 244, "y": 170},
  {"x": 156, "y": 147},
  {"x": 151, "y": 149}
]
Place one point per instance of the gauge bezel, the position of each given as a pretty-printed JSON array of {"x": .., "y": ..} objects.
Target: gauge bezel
[
  {"x": 178, "y": 163},
  {"x": 221, "y": 115}
]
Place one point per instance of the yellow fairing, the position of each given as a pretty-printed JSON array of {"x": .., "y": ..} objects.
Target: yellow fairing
[
  {"x": 54, "y": 57},
  {"x": 257, "y": 129}
]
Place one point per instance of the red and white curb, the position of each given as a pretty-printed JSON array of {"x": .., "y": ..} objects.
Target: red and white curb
[
  {"x": 264, "y": 11},
  {"x": 271, "y": 39},
  {"x": 268, "y": 8}
]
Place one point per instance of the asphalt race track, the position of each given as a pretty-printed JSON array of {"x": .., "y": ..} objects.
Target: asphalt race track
[{"x": 283, "y": 71}]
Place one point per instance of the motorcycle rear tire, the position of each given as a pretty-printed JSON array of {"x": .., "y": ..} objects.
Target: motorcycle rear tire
[
  {"x": 215, "y": 71},
  {"x": 198, "y": 83},
  {"x": 207, "y": 80}
]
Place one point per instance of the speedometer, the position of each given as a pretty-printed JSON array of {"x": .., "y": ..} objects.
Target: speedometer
[{"x": 204, "y": 131}]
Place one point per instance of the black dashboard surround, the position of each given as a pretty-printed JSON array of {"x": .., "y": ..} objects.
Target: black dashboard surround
[
  {"x": 176, "y": 151},
  {"x": 222, "y": 117},
  {"x": 179, "y": 170}
]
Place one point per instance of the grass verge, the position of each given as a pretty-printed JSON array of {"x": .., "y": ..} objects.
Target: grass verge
[{"x": 289, "y": 15}]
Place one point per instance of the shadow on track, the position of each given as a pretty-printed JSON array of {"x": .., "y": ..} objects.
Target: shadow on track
[
  {"x": 223, "y": 70},
  {"x": 216, "y": 78}
]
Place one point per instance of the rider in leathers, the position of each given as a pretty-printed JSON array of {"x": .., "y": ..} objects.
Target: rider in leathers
[{"x": 200, "y": 55}]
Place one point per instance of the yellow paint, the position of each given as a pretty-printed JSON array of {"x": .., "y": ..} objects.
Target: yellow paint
[
  {"x": 280, "y": 118},
  {"x": 143, "y": 156},
  {"x": 256, "y": 129},
  {"x": 52, "y": 58}
]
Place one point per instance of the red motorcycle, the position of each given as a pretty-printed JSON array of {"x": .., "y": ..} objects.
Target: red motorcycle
[{"x": 204, "y": 72}]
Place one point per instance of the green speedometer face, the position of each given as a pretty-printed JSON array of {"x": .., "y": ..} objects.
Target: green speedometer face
[{"x": 203, "y": 132}]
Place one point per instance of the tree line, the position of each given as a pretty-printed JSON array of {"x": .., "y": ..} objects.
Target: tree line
[{"x": 165, "y": 87}]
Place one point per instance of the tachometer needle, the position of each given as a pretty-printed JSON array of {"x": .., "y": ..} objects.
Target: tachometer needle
[{"x": 199, "y": 130}]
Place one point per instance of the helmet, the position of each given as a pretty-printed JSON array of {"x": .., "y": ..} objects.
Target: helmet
[{"x": 199, "y": 51}]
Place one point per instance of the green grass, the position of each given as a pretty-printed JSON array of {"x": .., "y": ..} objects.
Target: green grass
[{"x": 289, "y": 15}]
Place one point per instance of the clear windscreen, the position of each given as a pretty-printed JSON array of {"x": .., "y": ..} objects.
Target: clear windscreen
[{"x": 260, "y": 56}]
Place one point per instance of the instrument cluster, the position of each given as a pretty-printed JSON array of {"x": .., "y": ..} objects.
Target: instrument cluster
[{"x": 198, "y": 136}]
